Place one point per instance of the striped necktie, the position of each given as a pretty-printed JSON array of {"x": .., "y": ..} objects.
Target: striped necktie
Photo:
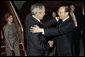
[{"x": 72, "y": 15}]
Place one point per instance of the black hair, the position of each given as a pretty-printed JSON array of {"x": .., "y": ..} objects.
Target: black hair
[{"x": 67, "y": 9}]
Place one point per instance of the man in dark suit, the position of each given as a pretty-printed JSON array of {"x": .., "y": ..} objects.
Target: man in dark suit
[
  {"x": 77, "y": 30},
  {"x": 63, "y": 32},
  {"x": 82, "y": 23},
  {"x": 36, "y": 43}
]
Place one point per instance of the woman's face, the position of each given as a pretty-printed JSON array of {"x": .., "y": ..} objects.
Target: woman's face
[{"x": 10, "y": 19}]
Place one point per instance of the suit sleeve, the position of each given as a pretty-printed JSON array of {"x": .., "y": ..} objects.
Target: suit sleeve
[
  {"x": 34, "y": 38},
  {"x": 59, "y": 31},
  {"x": 30, "y": 36},
  {"x": 6, "y": 34},
  {"x": 50, "y": 23}
]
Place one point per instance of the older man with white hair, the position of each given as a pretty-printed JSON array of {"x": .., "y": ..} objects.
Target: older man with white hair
[{"x": 36, "y": 43}]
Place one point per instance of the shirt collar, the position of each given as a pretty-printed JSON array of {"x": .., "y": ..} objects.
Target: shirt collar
[
  {"x": 36, "y": 18},
  {"x": 65, "y": 18},
  {"x": 83, "y": 13}
]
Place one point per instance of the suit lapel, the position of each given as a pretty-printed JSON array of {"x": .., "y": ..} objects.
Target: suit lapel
[
  {"x": 63, "y": 23},
  {"x": 37, "y": 22}
]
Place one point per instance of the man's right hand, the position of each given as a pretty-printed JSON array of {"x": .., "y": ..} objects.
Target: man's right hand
[{"x": 51, "y": 43}]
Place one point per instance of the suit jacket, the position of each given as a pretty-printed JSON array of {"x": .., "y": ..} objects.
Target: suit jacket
[
  {"x": 51, "y": 23},
  {"x": 82, "y": 23},
  {"x": 35, "y": 41},
  {"x": 63, "y": 33},
  {"x": 77, "y": 30},
  {"x": 82, "y": 20},
  {"x": 79, "y": 20}
]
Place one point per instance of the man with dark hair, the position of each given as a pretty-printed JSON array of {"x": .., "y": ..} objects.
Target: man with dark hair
[
  {"x": 77, "y": 30},
  {"x": 63, "y": 32}
]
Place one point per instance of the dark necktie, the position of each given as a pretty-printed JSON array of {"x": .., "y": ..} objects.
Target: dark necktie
[{"x": 60, "y": 21}]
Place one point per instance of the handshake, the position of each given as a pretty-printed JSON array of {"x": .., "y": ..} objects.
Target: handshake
[{"x": 51, "y": 43}]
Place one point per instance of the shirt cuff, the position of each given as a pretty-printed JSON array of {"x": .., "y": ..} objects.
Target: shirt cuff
[
  {"x": 57, "y": 19},
  {"x": 43, "y": 31}
]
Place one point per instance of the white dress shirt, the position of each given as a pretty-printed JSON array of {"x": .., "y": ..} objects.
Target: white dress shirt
[
  {"x": 63, "y": 19},
  {"x": 83, "y": 13}
]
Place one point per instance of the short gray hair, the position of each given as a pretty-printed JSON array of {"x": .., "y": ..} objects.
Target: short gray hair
[{"x": 36, "y": 8}]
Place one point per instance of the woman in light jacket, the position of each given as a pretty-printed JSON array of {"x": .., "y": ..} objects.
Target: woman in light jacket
[{"x": 11, "y": 36}]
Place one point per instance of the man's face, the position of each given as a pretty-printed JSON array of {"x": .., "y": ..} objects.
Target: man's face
[
  {"x": 54, "y": 14},
  {"x": 41, "y": 15},
  {"x": 72, "y": 7},
  {"x": 61, "y": 12}
]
